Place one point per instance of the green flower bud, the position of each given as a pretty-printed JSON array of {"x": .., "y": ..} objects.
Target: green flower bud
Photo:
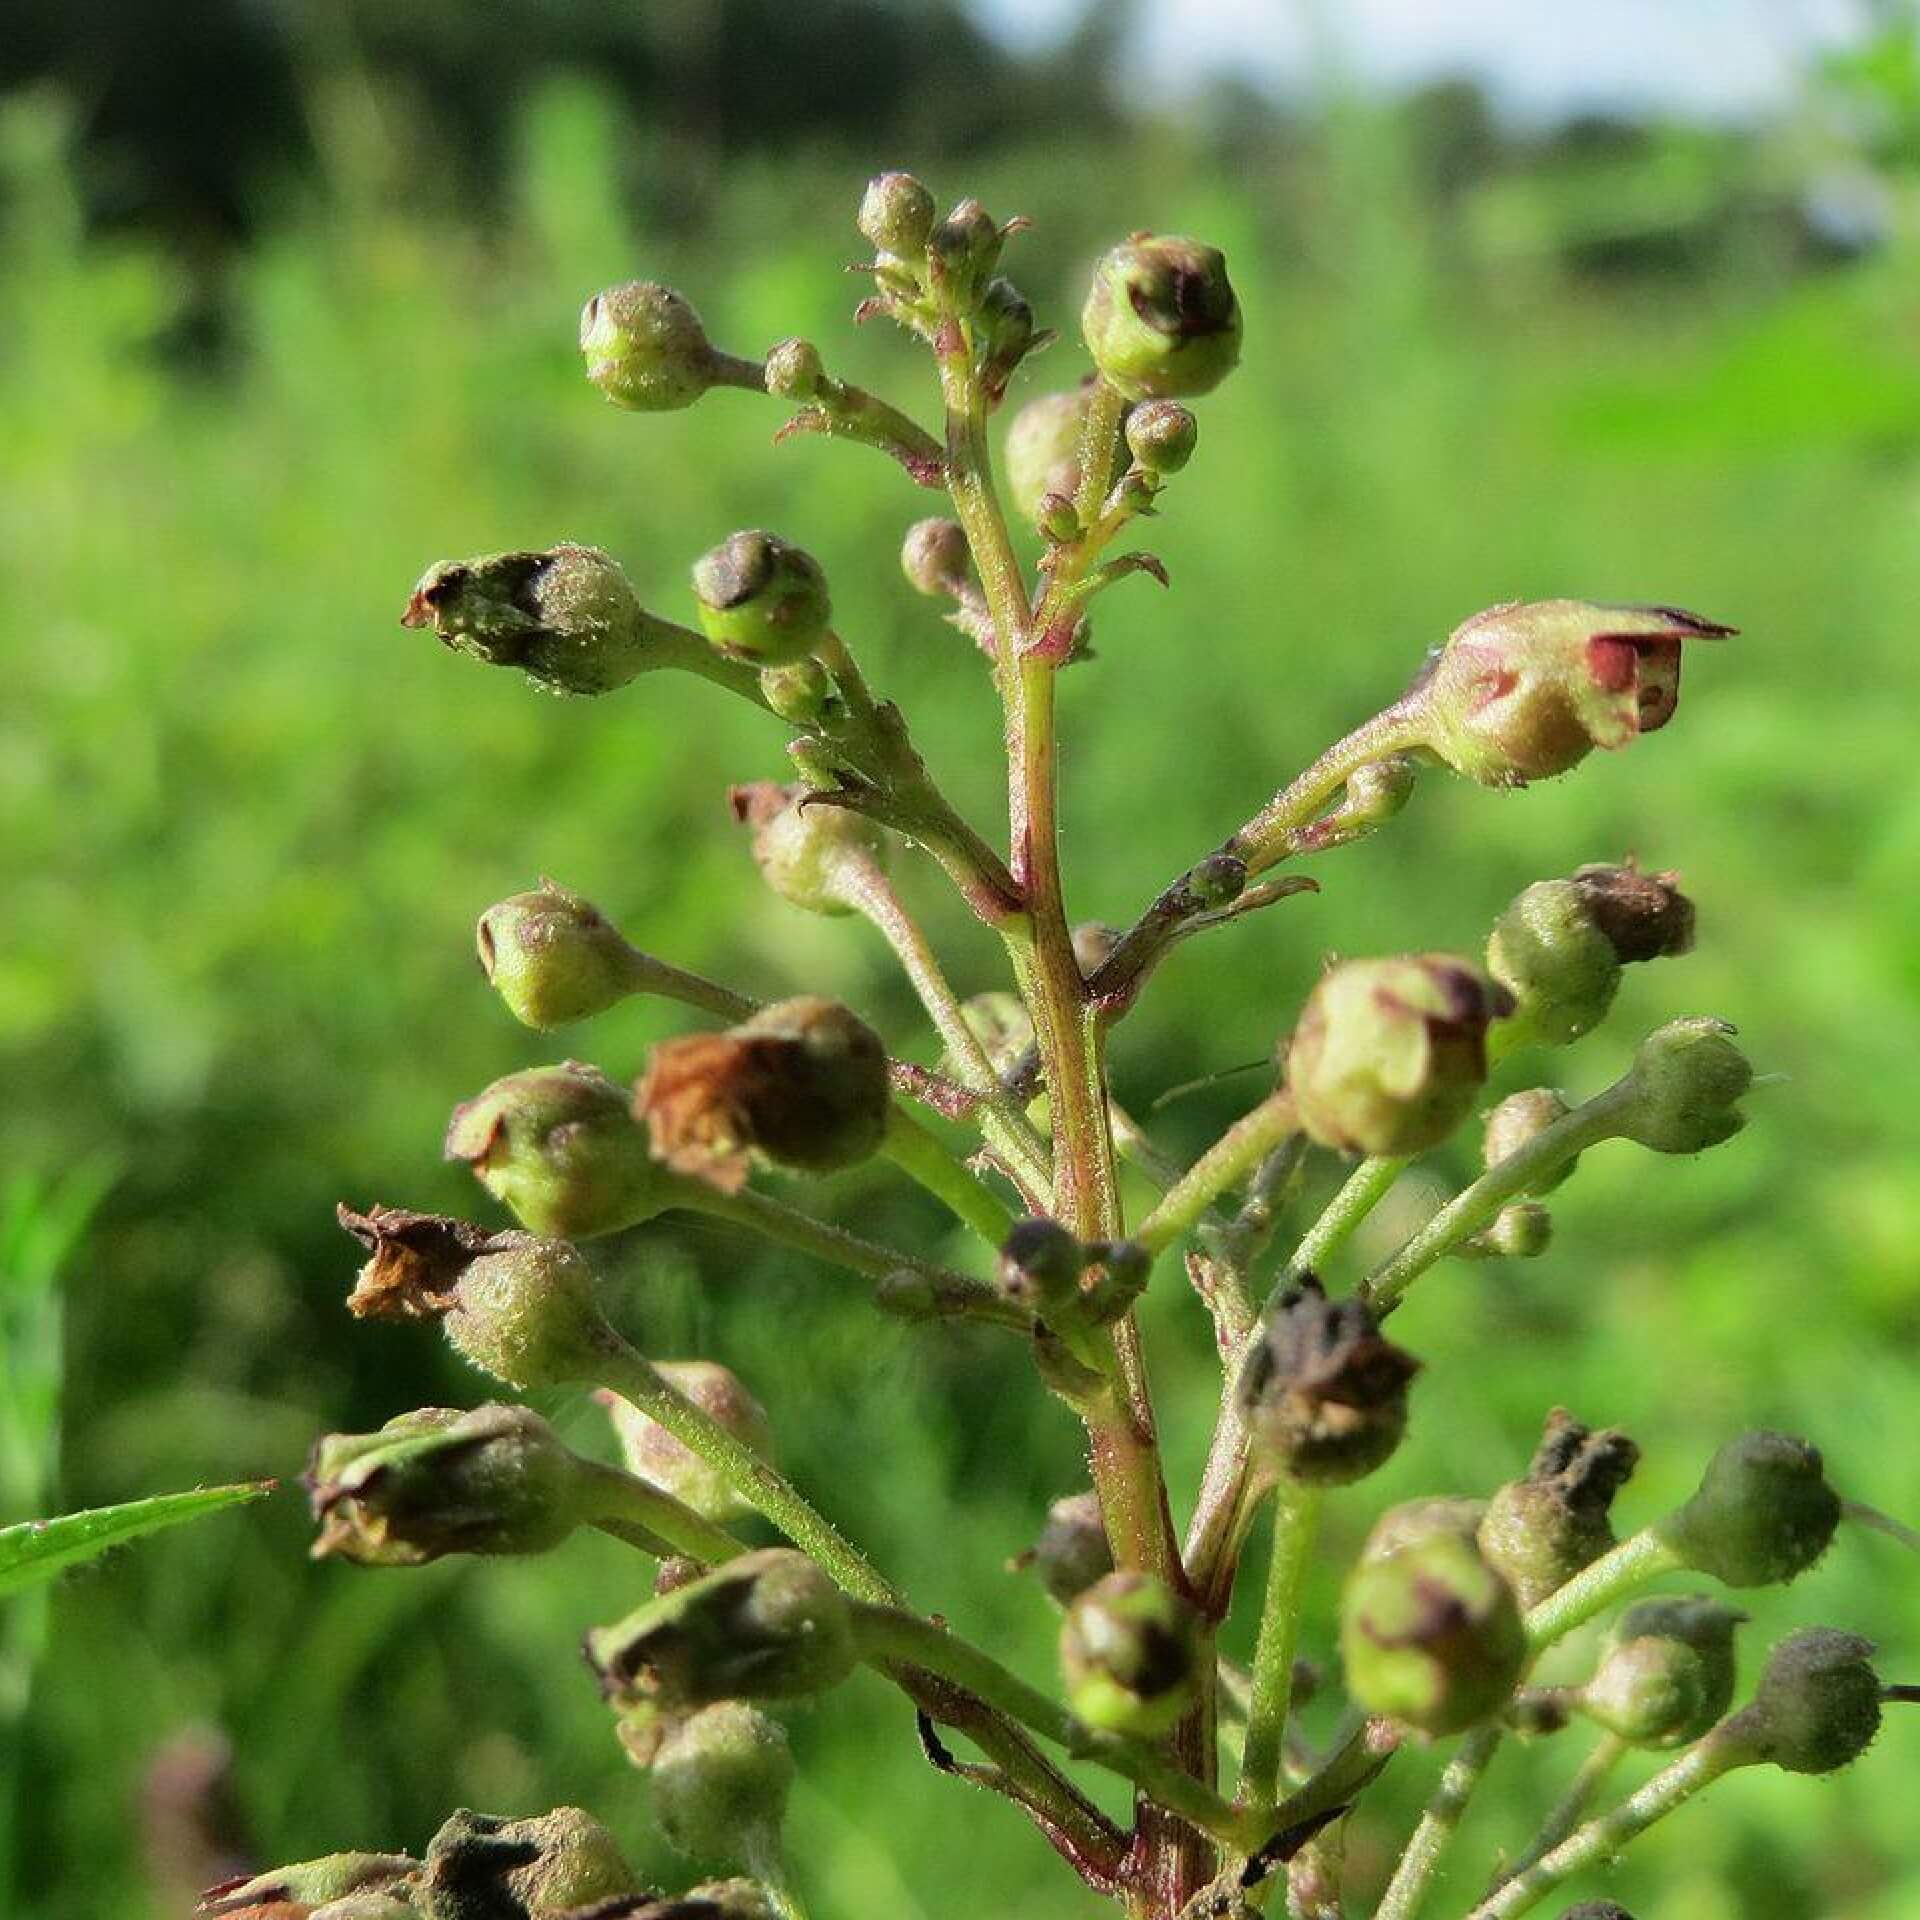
[
  {"x": 308, "y": 1884},
  {"x": 799, "y": 692},
  {"x": 1161, "y": 318},
  {"x": 553, "y": 956},
  {"x": 566, "y": 617},
  {"x": 767, "y": 1626},
  {"x": 654, "y": 1455},
  {"x": 804, "y": 1082},
  {"x": 1002, "y": 1025},
  {"x": 795, "y": 370},
  {"x": 1521, "y": 1231},
  {"x": 645, "y": 347},
  {"x": 559, "y": 1148},
  {"x": 1667, "y": 1674},
  {"x": 1072, "y": 1551},
  {"x": 1538, "y": 1532},
  {"x": 896, "y": 214},
  {"x": 1526, "y": 690},
  {"x": 1040, "y": 1266},
  {"x": 1161, "y": 436},
  {"x": 1415, "y": 1520},
  {"x": 934, "y": 556},
  {"x": 761, "y": 599},
  {"x": 518, "y": 1307},
  {"x": 1043, "y": 450},
  {"x": 720, "y": 1784},
  {"x": 812, "y": 855},
  {"x": 1551, "y": 954},
  {"x": 1004, "y": 333},
  {"x": 1431, "y": 1635},
  {"x": 439, "y": 1481},
  {"x": 1519, "y": 1120},
  {"x": 365, "y": 1906},
  {"x": 1130, "y": 1649},
  {"x": 1817, "y": 1706},
  {"x": 966, "y": 246},
  {"x": 1324, "y": 1393},
  {"x": 1762, "y": 1514},
  {"x": 1687, "y": 1077},
  {"x": 481, "y": 1866},
  {"x": 1388, "y": 1054}
]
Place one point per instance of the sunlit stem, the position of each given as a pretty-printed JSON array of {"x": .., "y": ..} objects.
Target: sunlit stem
[
  {"x": 1296, "y": 1517},
  {"x": 1622, "y": 1570},
  {"x": 1568, "y": 1811},
  {"x": 1227, "y": 1163},
  {"x": 1413, "y": 1876}
]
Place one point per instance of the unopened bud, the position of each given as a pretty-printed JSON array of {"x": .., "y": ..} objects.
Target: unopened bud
[
  {"x": 812, "y": 854},
  {"x": 934, "y": 557},
  {"x": 1519, "y": 1120},
  {"x": 1130, "y": 1649},
  {"x": 1526, "y": 690},
  {"x": 1118, "y": 1271},
  {"x": 1003, "y": 1026},
  {"x": 1538, "y": 1532},
  {"x": 798, "y": 692},
  {"x": 1431, "y": 1635},
  {"x": 1161, "y": 319},
  {"x": 480, "y": 1866},
  {"x": 1389, "y": 1054},
  {"x": 1817, "y": 1706},
  {"x": 1551, "y": 954},
  {"x": 1040, "y": 1266},
  {"x": 1324, "y": 1391},
  {"x": 300, "y": 1888},
  {"x": 766, "y": 1626},
  {"x": 1762, "y": 1514},
  {"x": 1520, "y": 1231},
  {"x": 896, "y": 214},
  {"x": 553, "y": 956},
  {"x": 1058, "y": 519},
  {"x": 1043, "y": 451},
  {"x": 1687, "y": 1078},
  {"x": 1072, "y": 1551},
  {"x": 645, "y": 347},
  {"x": 804, "y": 1082},
  {"x": 762, "y": 599},
  {"x": 1667, "y": 1674},
  {"x": 795, "y": 370},
  {"x": 1416, "y": 1520},
  {"x": 1004, "y": 333},
  {"x": 966, "y": 244},
  {"x": 720, "y": 1784},
  {"x": 497, "y": 1480},
  {"x": 559, "y": 1148},
  {"x": 566, "y": 617},
  {"x": 656, "y": 1456},
  {"x": 1161, "y": 436}
]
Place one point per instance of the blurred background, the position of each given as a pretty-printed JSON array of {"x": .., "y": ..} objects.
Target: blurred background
[{"x": 1619, "y": 302}]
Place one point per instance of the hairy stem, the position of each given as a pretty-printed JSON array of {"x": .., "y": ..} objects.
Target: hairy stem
[
  {"x": 634, "y": 1510},
  {"x": 1228, "y": 1162},
  {"x": 1641, "y": 1557},
  {"x": 1413, "y": 1876},
  {"x": 925, "y": 1161},
  {"x": 1296, "y": 1517},
  {"x": 1567, "y": 1812},
  {"x": 1363, "y": 1190}
]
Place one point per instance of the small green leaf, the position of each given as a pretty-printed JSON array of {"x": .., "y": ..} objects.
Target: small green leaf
[{"x": 36, "y": 1550}]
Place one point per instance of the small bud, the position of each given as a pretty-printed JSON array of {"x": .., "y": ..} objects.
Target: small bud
[
  {"x": 896, "y": 214},
  {"x": 1540, "y": 1531},
  {"x": 1526, "y": 690},
  {"x": 761, "y": 599},
  {"x": 795, "y": 370},
  {"x": 480, "y": 1866},
  {"x": 720, "y": 1784},
  {"x": 1667, "y": 1674},
  {"x": 438, "y": 1481},
  {"x": 767, "y": 1626},
  {"x": 934, "y": 557},
  {"x": 559, "y": 1148},
  {"x": 804, "y": 1082},
  {"x": 645, "y": 347},
  {"x": 966, "y": 244},
  {"x": 1388, "y": 1054},
  {"x": 1762, "y": 1514},
  {"x": 654, "y": 1455},
  {"x": 1118, "y": 1271},
  {"x": 553, "y": 956},
  {"x": 1004, "y": 333},
  {"x": 298, "y": 1889},
  {"x": 1551, "y": 954},
  {"x": 566, "y": 617},
  {"x": 798, "y": 692},
  {"x": 1040, "y": 1266},
  {"x": 1058, "y": 519},
  {"x": 1130, "y": 1649},
  {"x": 1161, "y": 318},
  {"x": 1415, "y": 1520},
  {"x": 1072, "y": 1551},
  {"x": 1431, "y": 1635},
  {"x": 1817, "y": 1706},
  {"x": 1218, "y": 881},
  {"x": 811, "y": 855},
  {"x": 1161, "y": 436},
  {"x": 1093, "y": 945},
  {"x": 518, "y": 1307},
  {"x": 1002, "y": 1025},
  {"x": 1043, "y": 450},
  {"x": 1687, "y": 1077},
  {"x": 1520, "y": 1119},
  {"x": 1323, "y": 1391}
]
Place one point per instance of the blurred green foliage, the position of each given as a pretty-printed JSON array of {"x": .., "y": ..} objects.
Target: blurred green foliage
[{"x": 249, "y": 823}]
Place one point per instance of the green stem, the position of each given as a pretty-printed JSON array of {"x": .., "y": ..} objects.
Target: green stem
[
  {"x": 1600, "y": 1840},
  {"x": 1872, "y": 1518},
  {"x": 1641, "y": 1557},
  {"x": 1568, "y": 1810},
  {"x": 634, "y": 1510},
  {"x": 1363, "y": 1190},
  {"x": 924, "y": 1160},
  {"x": 1296, "y": 1516},
  {"x": 1470, "y": 1210},
  {"x": 1413, "y": 1876},
  {"x": 1228, "y": 1162}
]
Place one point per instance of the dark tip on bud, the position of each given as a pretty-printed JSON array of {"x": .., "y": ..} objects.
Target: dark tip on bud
[
  {"x": 1667, "y": 1674},
  {"x": 804, "y": 1082},
  {"x": 1040, "y": 1266},
  {"x": 1161, "y": 319},
  {"x": 1538, "y": 1532},
  {"x": 761, "y": 599},
  {"x": 645, "y": 347},
  {"x": 934, "y": 557},
  {"x": 1324, "y": 1391},
  {"x": 896, "y": 214},
  {"x": 481, "y": 1864},
  {"x": 1389, "y": 1054},
  {"x": 1816, "y": 1708},
  {"x": 1762, "y": 1514},
  {"x": 1644, "y": 915},
  {"x": 1161, "y": 435},
  {"x": 1130, "y": 1649},
  {"x": 720, "y": 1781},
  {"x": 656, "y": 1456},
  {"x": 1072, "y": 1551}
]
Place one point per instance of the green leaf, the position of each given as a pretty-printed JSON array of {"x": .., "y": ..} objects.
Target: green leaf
[{"x": 36, "y": 1550}]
